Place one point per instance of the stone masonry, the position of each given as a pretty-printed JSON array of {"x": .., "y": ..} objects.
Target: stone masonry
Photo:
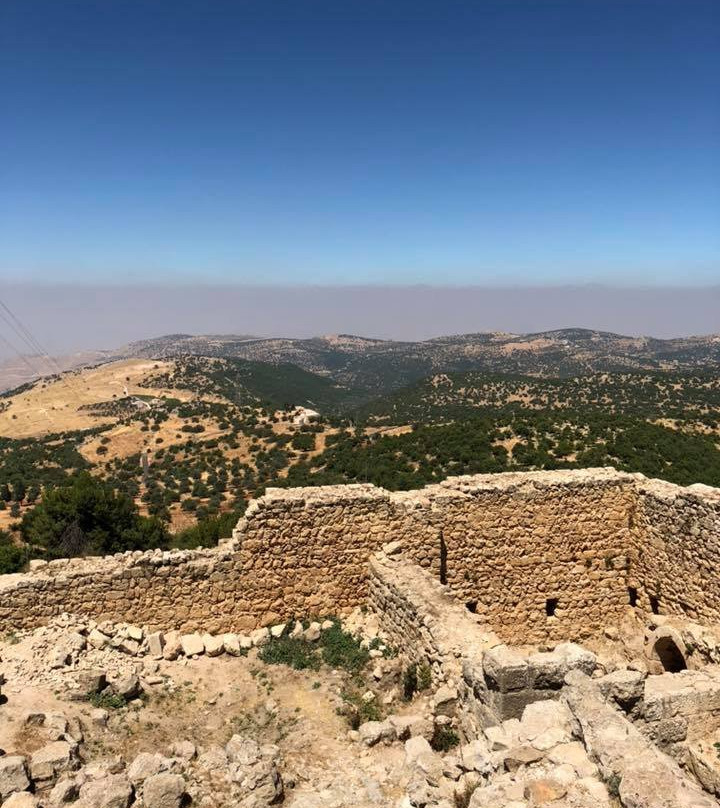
[{"x": 539, "y": 556}]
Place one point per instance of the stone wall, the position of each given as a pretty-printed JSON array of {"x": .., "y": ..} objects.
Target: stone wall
[
  {"x": 539, "y": 556},
  {"x": 421, "y": 619},
  {"x": 677, "y": 550}
]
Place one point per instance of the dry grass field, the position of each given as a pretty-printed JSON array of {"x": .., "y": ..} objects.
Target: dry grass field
[{"x": 54, "y": 405}]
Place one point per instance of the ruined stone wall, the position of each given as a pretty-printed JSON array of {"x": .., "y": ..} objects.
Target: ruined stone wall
[
  {"x": 305, "y": 550},
  {"x": 184, "y": 589},
  {"x": 513, "y": 547},
  {"x": 422, "y": 620},
  {"x": 519, "y": 546},
  {"x": 677, "y": 550}
]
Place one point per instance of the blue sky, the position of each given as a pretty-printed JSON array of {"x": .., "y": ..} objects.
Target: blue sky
[{"x": 360, "y": 142}]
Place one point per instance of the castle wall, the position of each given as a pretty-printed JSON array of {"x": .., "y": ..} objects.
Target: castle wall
[
  {"x": 677, "y": 551},
  {"x": 520, "y": 546},
  {"x": 511, "y": 546}
]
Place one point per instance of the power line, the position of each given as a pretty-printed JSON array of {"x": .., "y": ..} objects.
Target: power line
[{"x": 34, "y": 344}]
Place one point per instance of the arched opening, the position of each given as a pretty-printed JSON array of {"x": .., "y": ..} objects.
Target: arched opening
[{"x": 670, "y": 655}]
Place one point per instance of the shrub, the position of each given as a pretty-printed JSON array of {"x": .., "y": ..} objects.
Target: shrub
[
  {"x": 410, "y": 681},
  {"x": 208, "y": 532},
  {"x": 12, "y": 557},
  {"x": 357, "y": 711},
  {"x": 294, "y": 652},
  {"x": 613, "y": 785},
  {"x": 107, "y": 701},
  {"x": 303, "y": 442},
  {"x": 424, "y": 676},
  {"x": 89, "y": 517},
  {"x": 340, "y": 649},
  {"x": 444, "y": 739}
]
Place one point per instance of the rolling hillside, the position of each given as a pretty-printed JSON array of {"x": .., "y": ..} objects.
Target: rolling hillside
[{"x": 190, "y": 438}]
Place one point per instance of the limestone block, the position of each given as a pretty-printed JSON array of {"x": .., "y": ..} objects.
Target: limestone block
[
  {"x": 156, "y": 643},
  {"x": 13, "y": 775},
  {"x": 52, "y": 759},
  {"x": 192, "y": 644},
  {"x": 259, "y": 637},
  {"x": 213, "y": 645},
  {"x": 164, "y": 791},
  {"x": 372, "y": 732},
  {"x": 505, "y": 669}
]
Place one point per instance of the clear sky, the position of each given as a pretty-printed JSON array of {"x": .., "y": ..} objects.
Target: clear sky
[{"x": 377, "y": 141}]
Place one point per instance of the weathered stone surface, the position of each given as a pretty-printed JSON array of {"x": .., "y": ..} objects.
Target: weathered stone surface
[
  {"x": 213, "y": 645},
  {"x": 372, "y": 732},
  {"x": 97, "y": 639},
  {"x": 231, "y": 644},
  {"x": 13, "y": 775},
  {"x": 112, "y": 791},
  {"x": 475, "y": 756},
  {"x": 173, "y": 647},
  {"x": 52, "y": 759},
  {"x": 647, "y": 778},
  {"x": 163, "y": 791},
  {"x": 156, "y": 643},
  {"x": 128, "y": 687},
  {"x": 64, "y": 791},
  {"x": 192, "y": 644},
  {"x": 407, "y": 726},
  {"x": 521, "y": 756},
  {"x": 146, "y": 765},
  {"x": 259, "y": 637},
  {"x": 623, "y": 686},
  {"x": 21, "y": 799},
  {"x": 445, "y": 701},
  {"x": 506, "y": 669},
  {"x": 91, "y": 682}
]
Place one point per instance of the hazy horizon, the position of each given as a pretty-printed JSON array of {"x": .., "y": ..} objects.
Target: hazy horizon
[{"x": 69, "y": 318}]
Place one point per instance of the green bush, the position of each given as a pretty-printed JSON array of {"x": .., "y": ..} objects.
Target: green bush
[
  {"x": 357, "y": 711},
  {"x": 336, "y": 648},
  {"x": 341, "y": 649},
  {"x": 303, "y": 442},
  {"x": 89, "y": 517},
  {"x": 444, "y": 739},
  {"x": 295, "y": 652},
  {"x": 208, "y": 532},
  {"x": 410, "y": 681},
  {"x": 416, "y": 677},
  {"x": 107, "y": 701},
  {"x": 424, "y": 676},
  {"x": 12, "y": 557}
]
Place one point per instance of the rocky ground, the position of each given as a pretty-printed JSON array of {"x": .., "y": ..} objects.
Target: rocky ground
[
  {"x": 107, "y": 715},
  {"x": 112, "y": 716}
]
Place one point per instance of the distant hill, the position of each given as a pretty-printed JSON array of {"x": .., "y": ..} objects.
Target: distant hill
[{"x": 378, "y": 366}]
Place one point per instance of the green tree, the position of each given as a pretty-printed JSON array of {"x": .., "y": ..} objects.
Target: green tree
[
  {"x": 18, "y": 490},
  {"x": 12, "y": 557},
  {"x": 89, "y": 517}
]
